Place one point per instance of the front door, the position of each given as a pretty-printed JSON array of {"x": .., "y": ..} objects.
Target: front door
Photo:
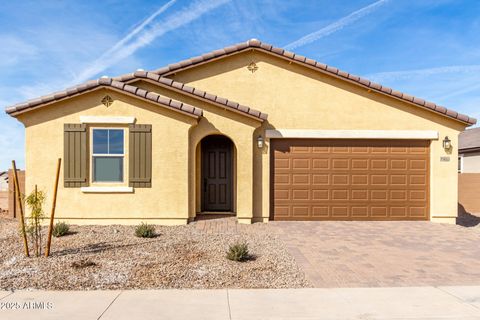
[{"x": 217, "y": 174}]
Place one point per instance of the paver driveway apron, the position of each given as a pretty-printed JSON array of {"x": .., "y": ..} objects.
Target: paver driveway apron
[{"x": 381, "y": 253}]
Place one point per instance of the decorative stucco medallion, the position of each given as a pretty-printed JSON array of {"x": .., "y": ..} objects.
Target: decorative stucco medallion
[
  {"x": 107, "y": 101},
  {"x": 252, "y": 67}
]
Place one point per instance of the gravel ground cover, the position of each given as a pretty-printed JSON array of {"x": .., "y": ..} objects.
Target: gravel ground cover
[{"x": 111, "y": 257}]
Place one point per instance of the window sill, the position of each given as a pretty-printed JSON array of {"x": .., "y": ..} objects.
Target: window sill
[{"x": 107, "y": 189}]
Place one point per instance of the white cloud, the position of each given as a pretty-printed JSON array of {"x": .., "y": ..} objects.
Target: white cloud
[
  {"x": 336, "y": 26},
  {"x": 14, "y": 49},
  {"x": 417, "y": 73},
  {"x": 144, "y": 24},
  {"x": 148, "y": 32}
]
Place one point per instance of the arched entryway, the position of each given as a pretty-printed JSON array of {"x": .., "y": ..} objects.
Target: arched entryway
[{"x": 217, "y": 174}]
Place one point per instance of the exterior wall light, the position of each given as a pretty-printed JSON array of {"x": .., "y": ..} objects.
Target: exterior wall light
[
  {"x": 447, "y": 143},
  {"x": 260, "y": 142}
]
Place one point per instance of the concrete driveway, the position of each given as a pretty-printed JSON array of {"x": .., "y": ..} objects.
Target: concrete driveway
[{"x": 382, "y": 254}]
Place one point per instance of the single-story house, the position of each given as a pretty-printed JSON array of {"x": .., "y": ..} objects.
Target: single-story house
[
  {"x": 3, "y": 191},
  {"x": 469, "y": 170},
  {"x": 469, "y": 151},
  {"x": 250, "y": 129},
  {"x": 4, "y": 181}
]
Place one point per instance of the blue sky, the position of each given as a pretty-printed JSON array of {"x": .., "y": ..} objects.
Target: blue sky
[{"x": 428, "y": 48}]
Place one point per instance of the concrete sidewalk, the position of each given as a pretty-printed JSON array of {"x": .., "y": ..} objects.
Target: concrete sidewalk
[{"x": 342, "y": 303}]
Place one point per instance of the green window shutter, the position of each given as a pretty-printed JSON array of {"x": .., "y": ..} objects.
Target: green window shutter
[
  {"x": 140, "y": 156},
  {"x": 75, "y": 155}
]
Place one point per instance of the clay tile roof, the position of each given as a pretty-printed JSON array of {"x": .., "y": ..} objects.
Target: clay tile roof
[
  {"x": 102, "y": 82},
  {"x": 265, "y": 47},
  {"x": 469, "y": 139},
  {"x": 202, "y": 95}
]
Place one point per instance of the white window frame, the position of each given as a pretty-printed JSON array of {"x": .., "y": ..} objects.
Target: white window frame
[{"x": 123, "y": 155}]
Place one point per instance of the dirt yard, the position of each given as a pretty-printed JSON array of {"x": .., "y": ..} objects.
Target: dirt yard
[{"x": 111, "y": 257}]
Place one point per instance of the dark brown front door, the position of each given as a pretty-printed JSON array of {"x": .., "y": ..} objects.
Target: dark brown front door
[{"x": 216, "y": 174}]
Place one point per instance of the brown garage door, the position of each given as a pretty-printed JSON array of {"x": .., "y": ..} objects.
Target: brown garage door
[{"x": 349, "y": 179}]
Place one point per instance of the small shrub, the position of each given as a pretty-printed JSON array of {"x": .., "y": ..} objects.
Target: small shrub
[
  {"x": 35, "y": 202},
  {"x": 84, "y": 263},
  {"x": 145, "y": 231},
  {"x": 60, "y": 229},
  {"x": 238, "y": 252}
]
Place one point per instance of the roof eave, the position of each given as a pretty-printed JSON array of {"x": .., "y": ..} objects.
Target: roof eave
[
  {"x": 469, "y": 149},
  {"x": 170, "y": 104}
]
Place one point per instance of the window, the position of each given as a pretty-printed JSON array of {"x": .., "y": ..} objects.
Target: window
[{"x": 108, "y": 155}]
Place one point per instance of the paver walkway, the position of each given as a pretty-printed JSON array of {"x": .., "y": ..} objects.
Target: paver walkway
[
  {"x": 373, "y": 253},
  {"x": 292, "y": 304}
]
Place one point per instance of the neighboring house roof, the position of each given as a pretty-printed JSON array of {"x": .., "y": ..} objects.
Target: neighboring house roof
[
  {"x": 469, "y": 140},
  {"x": 105, "y": 83},
  {"x": 167, "y": 82},
  {"x": 268, "y": 48}
]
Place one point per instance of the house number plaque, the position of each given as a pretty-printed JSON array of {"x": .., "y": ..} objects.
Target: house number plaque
[{"x": 444, "y": 159}]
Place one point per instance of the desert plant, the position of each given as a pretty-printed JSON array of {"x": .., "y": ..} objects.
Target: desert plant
[
  {"x": 83, "y": 263},
  {"x": 35, "y": 201},
  {"x": 238, "y": 252},
  {"x": 60, "y": 229},
  {"x": 144, "y": 230}
]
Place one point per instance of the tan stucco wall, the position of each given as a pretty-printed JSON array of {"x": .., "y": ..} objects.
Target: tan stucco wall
[
  {"x": 166, "y": 202},
  {"x": 471, "y": 162},
  {"x": 296, "y": 97}
]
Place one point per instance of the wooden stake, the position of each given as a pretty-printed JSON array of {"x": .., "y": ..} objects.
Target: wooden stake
[
  {"x": 19, "y": 199},
  {"x": 52, "y": 216},
  {"x": 35, "y": 224}
]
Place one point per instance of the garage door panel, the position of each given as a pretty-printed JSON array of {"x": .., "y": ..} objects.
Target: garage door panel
[
  {"x": 340, "y": 179},
  {"x": 360, "y": 164},
  {"x": 418, "y": 164},
  {"x": 379, "y": 150},
  {"x": 300, "y": 195},
  {"x": 379, "y": 164},
  {"x": 320, "y": 179},
  {"x": 359, "y": 212},
  {"x": 379, "y": 212},
  {"x": 340, "y": 211},
  {"x": 399, "y": 164},
  {"x": 320, "y": 211},
  {"x": 301, "y": 211},
  {"x": 282, "y": 211},
  {"x": 282, "y": 163},
  {"x": 340, "y": 164},
  {"x": 321, "y": 163},
  {"x": 359, "y": 179},
  {"x": 349, "y": 180},
  {"x": 364, "y": 150},
  {"x": 359, "y": 195},
  {"x": 321, "y": 195}
]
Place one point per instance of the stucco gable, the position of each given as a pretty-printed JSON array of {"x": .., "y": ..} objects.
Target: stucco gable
[
  {"x": 110, "y": 84},
  {"x": 216, "y": 56}
]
